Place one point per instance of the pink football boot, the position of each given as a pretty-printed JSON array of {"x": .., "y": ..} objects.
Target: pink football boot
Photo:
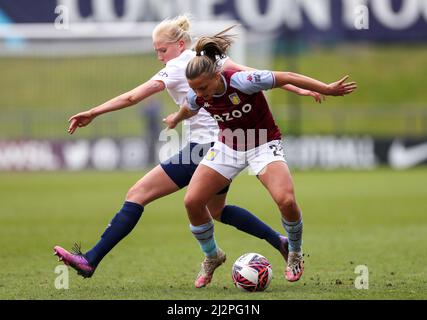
[
  {"x": 208, "y": 267},
  {"x": 76, "y": 260},
  {"x": 295, "y": 266}
]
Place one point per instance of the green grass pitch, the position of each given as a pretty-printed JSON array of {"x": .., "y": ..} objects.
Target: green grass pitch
[{"x": 377, "y": 219}]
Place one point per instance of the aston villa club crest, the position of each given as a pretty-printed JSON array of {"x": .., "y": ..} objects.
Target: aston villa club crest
[{"x": 234, "y": 98}]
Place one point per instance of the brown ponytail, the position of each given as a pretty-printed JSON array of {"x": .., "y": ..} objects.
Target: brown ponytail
[{"x": 208, "y": 51}]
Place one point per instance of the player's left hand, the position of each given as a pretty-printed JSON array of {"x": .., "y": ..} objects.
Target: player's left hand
[
  {"x": 341, "y": 88},
  {"x": 317, "y": 96}
]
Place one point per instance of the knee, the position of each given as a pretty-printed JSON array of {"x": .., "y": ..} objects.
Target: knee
[
  {"x": 288, "y": 204},
  {"x": 136, "y": 194},
  {"x": 192, "y": 202}
]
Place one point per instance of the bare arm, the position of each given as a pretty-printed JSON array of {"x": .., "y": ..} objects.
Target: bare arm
[
  {"x": 184, "y": 113},
  {"x": 338, "y": 88},
  {"x": 230, "y": 64},
  {"x": 122, "y": 101},
  {"x": 303, "y": 92}
]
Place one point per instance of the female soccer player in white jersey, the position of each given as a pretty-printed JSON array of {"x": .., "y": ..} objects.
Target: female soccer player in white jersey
[
  {"x": 171, "y": 41},
  {"x": 248, "y": 136}
]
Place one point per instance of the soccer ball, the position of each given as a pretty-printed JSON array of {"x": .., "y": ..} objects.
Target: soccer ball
[{"x": 252, "y": 272}]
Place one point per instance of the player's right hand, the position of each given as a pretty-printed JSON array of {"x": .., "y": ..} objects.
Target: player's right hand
[
  {"x": 170, "y": 121},
  {"x": 81, "y": 119}
]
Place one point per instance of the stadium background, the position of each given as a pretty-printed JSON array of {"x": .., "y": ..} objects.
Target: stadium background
[{"x": 358, "y": 161}]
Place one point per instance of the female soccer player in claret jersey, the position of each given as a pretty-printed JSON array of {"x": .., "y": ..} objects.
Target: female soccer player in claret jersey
[
  {"x": 249, "y": 137},
  {"x": 172, "y": 40}
]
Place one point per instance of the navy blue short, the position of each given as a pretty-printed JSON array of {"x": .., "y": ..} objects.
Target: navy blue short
[{"x": 180, "y": 167}]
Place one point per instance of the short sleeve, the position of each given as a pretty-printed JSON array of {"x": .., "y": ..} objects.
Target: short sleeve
[
  {"x": 191, "y": 98},
  {"x": 170, "y": 76},
  {"x": 251, "y": 82}
]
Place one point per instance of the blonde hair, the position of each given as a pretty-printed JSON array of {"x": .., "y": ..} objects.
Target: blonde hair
[
  {"x": 208, "y": 51},
  {"x": 174, "y": 30}
]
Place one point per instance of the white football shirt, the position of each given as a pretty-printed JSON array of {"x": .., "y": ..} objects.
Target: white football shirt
[{"x": 201, "y": 128}]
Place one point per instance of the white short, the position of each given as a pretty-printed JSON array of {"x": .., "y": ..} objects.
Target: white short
[{"x": 229, "y": 162}]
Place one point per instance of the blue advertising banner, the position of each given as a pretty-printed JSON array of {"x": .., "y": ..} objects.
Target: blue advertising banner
[{"x": 367, "y": 20}]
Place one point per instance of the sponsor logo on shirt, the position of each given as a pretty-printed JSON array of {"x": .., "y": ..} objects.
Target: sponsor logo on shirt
[
  {"x": 235, "y": 114},
  {"x": 207, "y": 105},
  {"x": 163, "y": 74}
]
